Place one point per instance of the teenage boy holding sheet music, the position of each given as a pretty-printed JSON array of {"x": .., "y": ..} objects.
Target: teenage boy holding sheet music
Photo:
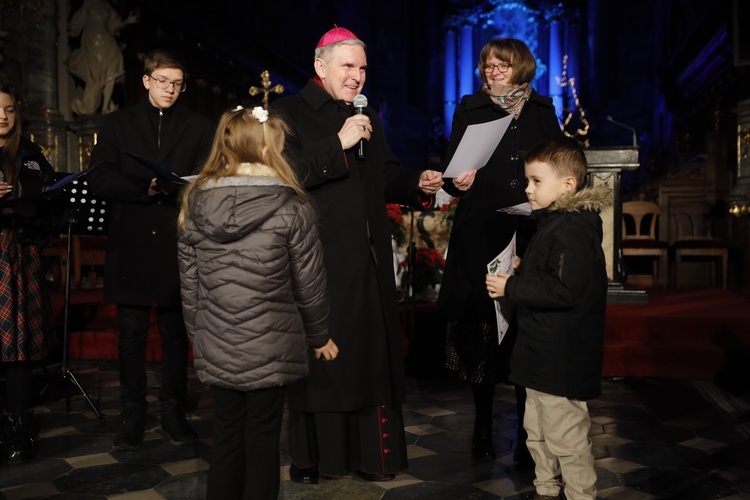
[{"x": 140, "y": 270}]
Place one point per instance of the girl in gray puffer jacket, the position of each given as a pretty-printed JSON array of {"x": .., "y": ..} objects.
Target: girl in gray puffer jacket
[{"x": 253, "y": 293}]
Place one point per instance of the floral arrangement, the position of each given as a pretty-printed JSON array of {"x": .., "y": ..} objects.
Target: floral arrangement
[
  {"x": 449, "y": 211},
  {"x": 428, "y": 269},
  {"x": 396, "y": 216}
]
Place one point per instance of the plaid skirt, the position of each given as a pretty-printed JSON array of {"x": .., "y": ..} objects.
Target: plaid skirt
[{"x": 24, "y": 311}]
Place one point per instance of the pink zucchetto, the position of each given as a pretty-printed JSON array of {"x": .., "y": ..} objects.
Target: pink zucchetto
[{"x": 336, "y": 35}]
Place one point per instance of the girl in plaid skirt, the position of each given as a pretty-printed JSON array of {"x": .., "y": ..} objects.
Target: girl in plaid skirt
[{"x": 23, "y": 320}]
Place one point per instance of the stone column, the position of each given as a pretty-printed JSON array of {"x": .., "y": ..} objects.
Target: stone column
[
  {"x": 32, "y": 56},
  {"x": 739, "y": 196},
  {"x": 85, "y": 130},
  {"x": 467, "y": 61},
  {"x": 605, "y": 168},
  {"x": 555, "y": 65},
  {"x": 450, "y": 97}
]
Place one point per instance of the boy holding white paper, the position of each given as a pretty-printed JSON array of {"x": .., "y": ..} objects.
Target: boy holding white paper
[{"x": 560, "y": 294}]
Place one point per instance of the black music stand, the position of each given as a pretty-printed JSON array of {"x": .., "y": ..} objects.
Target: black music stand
[{"x": 86, "y": 215}]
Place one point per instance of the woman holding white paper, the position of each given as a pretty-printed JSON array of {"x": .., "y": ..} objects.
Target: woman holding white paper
[{"x": 480, "y": 232}]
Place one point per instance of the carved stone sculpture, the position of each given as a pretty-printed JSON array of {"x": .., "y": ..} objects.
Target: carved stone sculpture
[{"x": 98, "y": 62}]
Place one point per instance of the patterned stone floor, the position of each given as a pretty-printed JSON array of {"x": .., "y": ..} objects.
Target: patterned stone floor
[{"x": 652, "y": 439}]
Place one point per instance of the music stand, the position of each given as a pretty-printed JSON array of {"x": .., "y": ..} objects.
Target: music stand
[{"x": 78, "y": 200}]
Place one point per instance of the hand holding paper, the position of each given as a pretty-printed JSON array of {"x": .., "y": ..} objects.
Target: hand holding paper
[
  {"x": 498, "y": 271},
  {"x": 464, "y": 181},
  {"x": 496, "y": 284}
]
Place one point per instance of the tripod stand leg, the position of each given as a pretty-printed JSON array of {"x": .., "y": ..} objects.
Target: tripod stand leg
[
  {"x": 65, "y": 373},
  {"x": 68, "y": 375}
]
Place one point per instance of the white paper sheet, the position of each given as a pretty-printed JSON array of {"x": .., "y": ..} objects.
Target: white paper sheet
[
  {"x": 503, "y": 263},
  {"x": 476, "y": 146}
]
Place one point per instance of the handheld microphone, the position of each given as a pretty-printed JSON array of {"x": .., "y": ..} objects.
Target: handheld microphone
[
  {"x": 360, "y": 103},
  {"x": 620, "y": 124}
]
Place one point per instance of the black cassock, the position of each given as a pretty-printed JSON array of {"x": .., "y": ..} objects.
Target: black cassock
[{"x": 347, "y": 414}]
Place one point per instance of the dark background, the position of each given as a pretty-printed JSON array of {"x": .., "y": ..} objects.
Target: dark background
[{"x": 672, "y": 69}]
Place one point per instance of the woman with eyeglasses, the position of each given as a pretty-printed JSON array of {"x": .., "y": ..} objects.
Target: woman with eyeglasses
[{"x": 480, "y": 232}]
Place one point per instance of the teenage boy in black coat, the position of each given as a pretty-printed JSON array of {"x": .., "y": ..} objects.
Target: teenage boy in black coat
[{"x": 140, "y": 270}]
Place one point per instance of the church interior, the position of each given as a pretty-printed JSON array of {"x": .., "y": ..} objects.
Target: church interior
[{"x": 658, "y": 93}]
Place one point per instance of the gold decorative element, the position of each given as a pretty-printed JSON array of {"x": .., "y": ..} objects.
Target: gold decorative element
[
  {"x": 265, "y": 80},
  {"x": 743, "y": 148},
  {"x": 50, "y": 146},
  {"x": 581, "y": 132},
  {"x": 739, "y": 209},
  {"x": 85, "y": 147}
]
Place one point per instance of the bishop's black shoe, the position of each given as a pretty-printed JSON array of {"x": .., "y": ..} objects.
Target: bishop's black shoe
[
  {"x": 304, "y": 475},
  {"x": 374, "y": 477}
]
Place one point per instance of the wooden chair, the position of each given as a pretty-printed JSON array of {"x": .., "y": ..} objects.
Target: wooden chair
[
  {"x": 639, "y": 237},
  {"x": 695, "y": 241},
  {"x": 88, "y": 252},
  {"x": 54, "y": 254}
]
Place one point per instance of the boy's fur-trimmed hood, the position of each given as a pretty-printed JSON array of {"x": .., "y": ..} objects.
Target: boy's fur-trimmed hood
[{"x": 593, "y": 199}]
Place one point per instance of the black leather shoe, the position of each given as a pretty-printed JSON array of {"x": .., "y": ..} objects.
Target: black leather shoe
[
  {"x": 375, "y": 478},
  {"x": 18, "y": 438},
  {"x": 133, "y": 427},
  {"x": 481, "y": 445},
  {"x": 174, "y": 423},
  {"x": 304, "y": 475}
]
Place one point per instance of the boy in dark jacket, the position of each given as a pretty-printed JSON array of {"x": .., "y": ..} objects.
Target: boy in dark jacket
[{"x": 560, "y": 293}]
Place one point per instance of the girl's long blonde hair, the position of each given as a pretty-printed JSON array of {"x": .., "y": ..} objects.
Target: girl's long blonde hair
[{"x": 242, "y": 138}]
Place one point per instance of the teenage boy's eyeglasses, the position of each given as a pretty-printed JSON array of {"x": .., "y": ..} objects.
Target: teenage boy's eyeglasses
[{"x": 163, "y": 83}]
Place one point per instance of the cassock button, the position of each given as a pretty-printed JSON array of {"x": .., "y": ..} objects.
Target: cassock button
[
  {"x": 386, "y": 451},
  {"x": 154, "y": 232},
  {"x": 514, "y": 183},
  {"x": 383, "y": 420},
  {"x": 386, "y": 435}
]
